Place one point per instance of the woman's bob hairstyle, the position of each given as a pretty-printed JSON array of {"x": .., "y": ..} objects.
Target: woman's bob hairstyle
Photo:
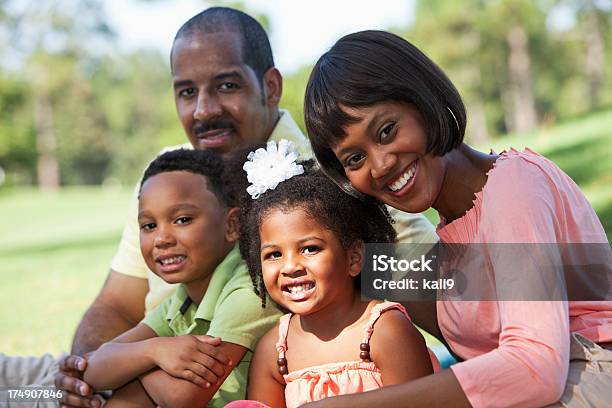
[{"x": 369, "y": 67}]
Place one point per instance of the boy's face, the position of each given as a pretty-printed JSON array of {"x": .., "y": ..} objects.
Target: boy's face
[
  {"x": 219, "y": 99},
  {"x": 183, "y": 227}
]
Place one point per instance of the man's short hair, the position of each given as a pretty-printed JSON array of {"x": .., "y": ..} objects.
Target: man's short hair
[{"x": 256, "y": 50}]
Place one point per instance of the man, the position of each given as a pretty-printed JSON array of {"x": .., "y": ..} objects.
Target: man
[{"x": 227, "y": 92}]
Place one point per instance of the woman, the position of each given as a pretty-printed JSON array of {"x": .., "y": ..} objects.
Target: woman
[{"x": 384, "y": 121}]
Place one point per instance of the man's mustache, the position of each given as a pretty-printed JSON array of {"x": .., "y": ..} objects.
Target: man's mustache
[{"x": 202, "y": 127}]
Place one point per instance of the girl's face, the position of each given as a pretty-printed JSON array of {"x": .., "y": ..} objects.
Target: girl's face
[
  {"x": 304, "y": 266},
  {"x": 384, "y": 156}
]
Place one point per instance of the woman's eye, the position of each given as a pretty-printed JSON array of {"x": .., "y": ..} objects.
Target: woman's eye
[
  {"x": 386, "y": 131},
  {"x": 183, "y": 220},
  {"x": 353, "y": 160},
  {"x": 311, "y": 249}
]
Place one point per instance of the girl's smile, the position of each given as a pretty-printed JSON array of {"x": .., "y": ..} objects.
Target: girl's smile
[{"x": 305, "y": 267}]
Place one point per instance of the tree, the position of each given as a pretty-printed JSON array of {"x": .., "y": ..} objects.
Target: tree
[{"x": 43, "y": 35}]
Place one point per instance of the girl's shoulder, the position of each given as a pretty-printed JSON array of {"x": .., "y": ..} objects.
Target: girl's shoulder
[
  {"x": 268, "y": 342},
  {"x": 387, "y": 320}
]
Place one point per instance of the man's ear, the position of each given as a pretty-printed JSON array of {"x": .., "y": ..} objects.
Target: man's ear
[
  {"x": 232, "y": 225},
  {"x": 355, "y": 256},
  {"x": 273, "y": 84}
]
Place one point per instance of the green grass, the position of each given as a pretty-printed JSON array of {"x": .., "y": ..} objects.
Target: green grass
[{"x": 56, "y": 248}]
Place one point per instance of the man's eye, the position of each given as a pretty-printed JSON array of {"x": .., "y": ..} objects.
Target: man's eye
[
  {"x": 311, "y": 249},
  {"x": 386, "y": 132},
  {"x": 353, "y": 160},
  {"x": 186, "y": 92},
  {"x": 228, "y": 86},
  {"x": 183, "y": 220},
  {"x": 148, "y": 227}
]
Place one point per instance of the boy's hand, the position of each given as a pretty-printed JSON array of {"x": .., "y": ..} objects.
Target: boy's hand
[{"x": 193, "y": 358}]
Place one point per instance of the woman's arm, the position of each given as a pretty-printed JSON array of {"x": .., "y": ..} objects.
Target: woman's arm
[
  {"x": 436, "y": 390},
  {"x": 266, "y": 384},
  {"x": 398, "y": 349},
  {"x": 119, "y": 361}
]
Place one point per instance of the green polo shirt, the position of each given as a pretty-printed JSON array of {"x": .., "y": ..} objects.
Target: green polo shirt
[{"x": 230, "y": 309}]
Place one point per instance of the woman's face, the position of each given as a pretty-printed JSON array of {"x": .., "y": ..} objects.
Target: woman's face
[{"x": 384, "y": 156}]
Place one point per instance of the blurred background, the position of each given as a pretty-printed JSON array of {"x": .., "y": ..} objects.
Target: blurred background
[{"x": 86, "y": 102}]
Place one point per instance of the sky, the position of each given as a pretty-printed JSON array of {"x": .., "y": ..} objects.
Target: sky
[{"x": 300, "y": 30}]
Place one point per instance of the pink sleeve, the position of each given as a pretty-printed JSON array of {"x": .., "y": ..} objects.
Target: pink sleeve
[{"x": 529, "y": 367}]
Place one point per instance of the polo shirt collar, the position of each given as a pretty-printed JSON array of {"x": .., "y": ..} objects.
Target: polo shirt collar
[{"x": 222, "y": 274}]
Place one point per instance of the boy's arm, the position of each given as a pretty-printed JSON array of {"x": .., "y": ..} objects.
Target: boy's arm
[
  {"x": 130, "y": 395},
  {"x": 169, "y": 391},
  {"x": 265, "y": 383},
  {"x": 398, "y": 349},
  {"x": 117, "y": 362}
]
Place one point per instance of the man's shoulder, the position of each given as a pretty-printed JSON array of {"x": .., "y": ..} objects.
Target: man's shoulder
[{"x": 287, "y": 128}]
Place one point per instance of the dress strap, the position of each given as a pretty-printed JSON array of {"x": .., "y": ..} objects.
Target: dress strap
[
  {"x": 375, "y": 313},
  {"x": 281, "y": 344}
]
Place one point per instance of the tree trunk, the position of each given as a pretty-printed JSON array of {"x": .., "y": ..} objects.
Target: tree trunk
[
  {"x": 521, "y": 92},
  {"x": 47, "y": 166},
  {"x": 594, "y": 57},
  {"x": 477, "y": 124}
]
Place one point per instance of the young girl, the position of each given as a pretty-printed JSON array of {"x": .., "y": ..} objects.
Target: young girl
[
  {"x": 303, "y": 241},
  {"x": 384, "y": 121}
]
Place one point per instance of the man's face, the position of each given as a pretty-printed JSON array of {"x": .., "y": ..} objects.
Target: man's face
[{"x": 220, "y": 101}]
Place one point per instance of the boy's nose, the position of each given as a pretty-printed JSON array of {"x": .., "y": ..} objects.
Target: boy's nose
[{"x": 164, "y": 240}]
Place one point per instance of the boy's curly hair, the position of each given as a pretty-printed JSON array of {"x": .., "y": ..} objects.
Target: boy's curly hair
[
  {"x": 203, "y": 162},
  {"x": 350, "y": 219}
]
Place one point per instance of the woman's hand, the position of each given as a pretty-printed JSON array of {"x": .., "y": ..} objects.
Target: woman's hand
[{"x": 193, "y": 358}]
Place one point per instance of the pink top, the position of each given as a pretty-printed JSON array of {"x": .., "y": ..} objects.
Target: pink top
[
  {"x": 517, "y": 352},
  {"x": 329, "y": 380}
]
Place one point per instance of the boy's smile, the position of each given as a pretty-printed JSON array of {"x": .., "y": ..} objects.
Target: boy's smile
[{"x": 182, "y": 229}]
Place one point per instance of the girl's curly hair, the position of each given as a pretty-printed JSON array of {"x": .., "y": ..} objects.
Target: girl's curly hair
[{"x": 350, "y": 219}]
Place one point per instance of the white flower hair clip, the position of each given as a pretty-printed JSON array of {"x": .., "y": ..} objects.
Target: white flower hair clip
[{"x": 267, "y": 167}]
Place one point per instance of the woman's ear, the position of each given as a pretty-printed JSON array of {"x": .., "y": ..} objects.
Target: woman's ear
[
  {"x": 355, "y": 253},
  {"x": 232, "y": 224}
]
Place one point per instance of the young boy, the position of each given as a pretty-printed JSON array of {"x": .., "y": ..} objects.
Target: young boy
[{"x": 188, "y": 233}]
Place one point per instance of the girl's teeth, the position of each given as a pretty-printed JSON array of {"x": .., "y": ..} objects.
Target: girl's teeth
[{"x": 300, "y": 288}]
